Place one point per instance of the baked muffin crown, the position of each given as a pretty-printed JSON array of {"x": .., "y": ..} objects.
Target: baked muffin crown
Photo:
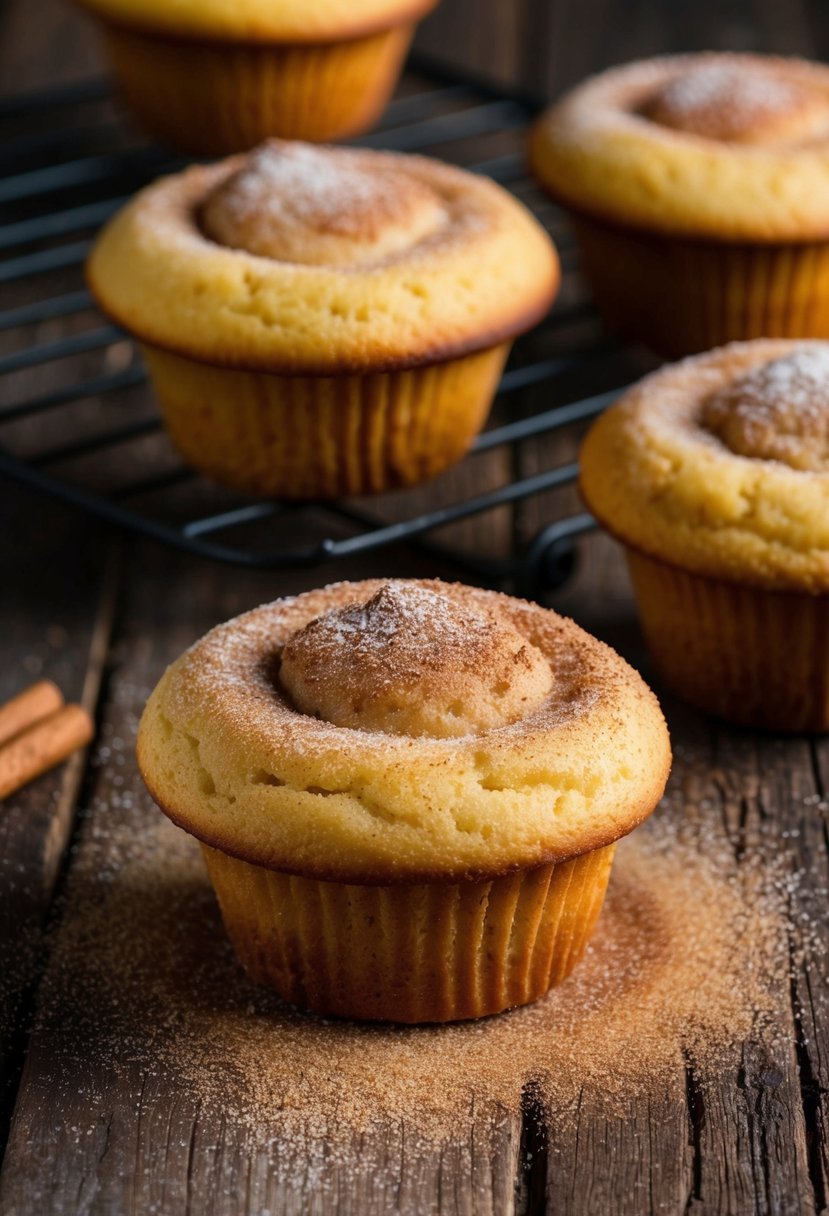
[
  {"x": 302, "y": 204},
  {"x": 720, "y": 464},
  {"x": 777, "y": 411},
  {"x": 365, "y": 777},
  {"x": 740, "y": 99},
  {"x": 246, "y": 264},
  {"x": 293, "y": 21},
  {"x": 410, "y": 661},
  {"x": 716, "y": 145}
]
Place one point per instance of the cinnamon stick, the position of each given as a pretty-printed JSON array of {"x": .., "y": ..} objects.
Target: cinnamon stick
[
  {"x": 43, "y": 745},
  {"x": 28, "y": 707}
]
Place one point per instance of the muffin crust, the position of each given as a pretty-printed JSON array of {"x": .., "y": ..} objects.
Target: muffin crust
[
  {"x": 720, "y": 146},
  {"x": 431, "y": 264},
  {"x": 229, "y": 755},
  {"x": 719, "y": 465}
]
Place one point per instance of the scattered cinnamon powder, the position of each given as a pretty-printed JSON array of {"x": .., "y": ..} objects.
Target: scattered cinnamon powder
[{"x": 690, "y": 958}]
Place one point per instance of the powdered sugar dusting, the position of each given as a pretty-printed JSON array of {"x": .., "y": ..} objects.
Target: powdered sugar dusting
[
  {"x": 323, "y": 206},
  {"x": 413, "y": 661},
  {"x": 801, "y": 379},
  {"x": 303, "y": 181},
  {"x": 232, "y": 672},
  {"x": 744, "y": 100},
  {"x": 405, "y": 618},
  {"x": 726, "y": 84},
  {"x": 778, "y": 411}
]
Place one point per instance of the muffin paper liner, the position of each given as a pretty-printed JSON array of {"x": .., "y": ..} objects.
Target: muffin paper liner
[
  {"x": 306, "y": 437},
  {"x": 682, "y": 296},
  {"x": 211, "y": 98},
  {"x": 754, "y": 657},
  {"x": 428, "y": 952}
]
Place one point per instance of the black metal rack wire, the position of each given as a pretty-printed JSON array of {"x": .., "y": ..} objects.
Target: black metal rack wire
[{"x": 67, "y": 162}]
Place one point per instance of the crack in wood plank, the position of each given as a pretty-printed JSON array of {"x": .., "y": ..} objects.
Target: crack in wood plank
[
  {"x": 534, "y": 1153},
  {"x": 52, "y": 851},
  {"x": 811, "y": 1094},
  {"x": 695, "y": 1102}
]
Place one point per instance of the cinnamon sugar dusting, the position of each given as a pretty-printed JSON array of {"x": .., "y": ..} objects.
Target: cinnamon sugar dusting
[
  {"x": 410, "y": 660},
  {"x": 238, "y": 668},
  {"x": 684, "y": 961},
  {"x": 315, "y": 205},
  {"x": 548, "y": 745},
  {"x": 741, "y": 100},
  {"x": 777, "y": 411},
  {"x": 421, "y": 627}
]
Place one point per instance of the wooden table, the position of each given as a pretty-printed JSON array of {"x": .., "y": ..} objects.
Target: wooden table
[{"x": 112, "y": 1102}]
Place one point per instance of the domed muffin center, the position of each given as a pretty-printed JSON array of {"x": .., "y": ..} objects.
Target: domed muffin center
[
  {"x": 414, "y": 662},
  {"x": 321, "y": 206},
  {"x": 779, "y": 411},
  {"x": 740, "y": 101}
]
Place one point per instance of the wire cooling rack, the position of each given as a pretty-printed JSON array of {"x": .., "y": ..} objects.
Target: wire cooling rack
[{"x": 77, "y": 417}]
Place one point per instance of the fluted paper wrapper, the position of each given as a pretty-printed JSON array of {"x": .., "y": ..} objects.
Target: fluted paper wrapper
[
  {"x": 683, "y": 296},
  {"x": 429, "y": 952},
  {"x": 754, "y": 657},
  {"x": 212, "y": 98},
  {"x": 306, "y": 437}
]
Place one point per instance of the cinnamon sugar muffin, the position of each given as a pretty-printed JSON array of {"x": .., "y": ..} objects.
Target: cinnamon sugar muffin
[
  {"x": 322, "y": 321},
  {"x": 714, "y": 474},
  {"x": 216, "y": 76},
  {"x": 698, "y": 186},
  {"x": 408, "y": 793}
]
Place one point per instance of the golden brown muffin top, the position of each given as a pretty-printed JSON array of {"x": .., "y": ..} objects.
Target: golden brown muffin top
[
  {"x": 720, "y": 464},
  {"x": 718, "y": 145},
  {"x": 289, "y": 21},
  {"x": 297, "y": 202},
  {"x": 399, "y": 731},
  {"x": 412, "y": 661},
  {"x": 302, "y": 259},
  {"x": 777, "y": 411},
  {"x": 739, "y": 99}
]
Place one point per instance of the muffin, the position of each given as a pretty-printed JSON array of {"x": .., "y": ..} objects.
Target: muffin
[
  {"x": 211, "y": 77},
  {"x": 408, "y": 793},
  {"x": 322, "y": 321},
  {"x": 698, "y": 187},
  {"x": 714, "y": 474}
]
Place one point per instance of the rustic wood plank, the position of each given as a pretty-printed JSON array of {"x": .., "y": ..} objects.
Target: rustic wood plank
[
  {"x": 743, "y": 791},
  {"x": 755, "y": 1126},
  {"x": 486, "y": 40},
  {"x": 58, "y": 47},
  {"x": 99, "y": 1132},
  {"x": 57, "y": 613},
  {"x": 552, "y": 46},
  {"x": 639, "y": 1159}
]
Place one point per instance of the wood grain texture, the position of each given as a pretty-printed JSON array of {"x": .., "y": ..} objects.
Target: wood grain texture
[
  {"x": 54, "y": 46},
  {"x": 103, "y": 1135},
  {"x": 544, "y": 46},
  {"x": 750, "y": 1137},
  {"x": 100, "y": 1134},
  {"x": 104, "y": 1131},
  {"x": 56, "y": 620}
]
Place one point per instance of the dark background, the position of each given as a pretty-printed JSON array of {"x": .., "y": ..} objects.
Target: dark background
[
  {"x": 541, "y": 45},
  {"x": 546, "y": 45}
]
